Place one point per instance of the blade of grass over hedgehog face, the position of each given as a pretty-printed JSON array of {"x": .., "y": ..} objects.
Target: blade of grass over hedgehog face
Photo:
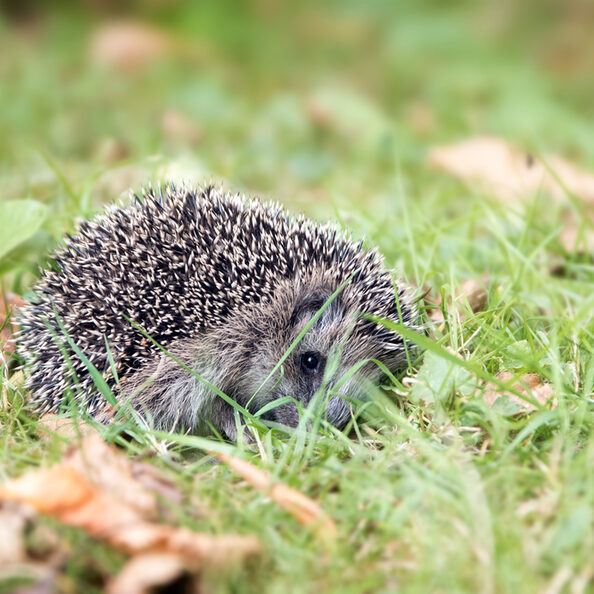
[
  {"x": 311, "y": 418},
  {"x": 301, "y": 334},
  {"x": 315, "y": 412},
  {"x": 305, "y": 418},
  {"x": 274, "y": 404}
]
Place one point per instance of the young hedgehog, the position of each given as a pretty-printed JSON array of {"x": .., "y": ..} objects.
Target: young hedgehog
[{"x": 226, "y": 285}]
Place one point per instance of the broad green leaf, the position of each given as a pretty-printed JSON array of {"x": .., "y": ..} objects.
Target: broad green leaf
[
  {"x": 19, "y": 219},
  {"x": 572, "y": 530},
  {"x": 352, "y": 114},
  {"x": 507, "y": 407},
  {"x": 518, "y": 354},
  {"x": 438, "y": 378}
]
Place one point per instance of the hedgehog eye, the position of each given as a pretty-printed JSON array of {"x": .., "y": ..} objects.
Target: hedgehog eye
[{"x": 310, "y": 362}]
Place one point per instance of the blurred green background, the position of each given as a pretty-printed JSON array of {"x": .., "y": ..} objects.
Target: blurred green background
[{"x": 328, "y": 107}]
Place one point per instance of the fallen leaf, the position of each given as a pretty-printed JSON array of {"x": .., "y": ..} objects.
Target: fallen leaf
[
  {"x": 510, "y": 173},
  {"x": 57, "y": 490},
  {"x": 529, "y": 385},
  {"x": 301, "y": 507},
  {"x": 65, "y": 427},
  {"x": 12, "y": 534},
  {"x": 475, "y": 295},
  {"x": 113, "y": 473},
  {"x": 29, "y": 553},
  {"x": 152, "y": 480},
  {"x": 129, "y": 45},
  {"x": 95, "y": 489},
  {"x": 145, "y": 572}
]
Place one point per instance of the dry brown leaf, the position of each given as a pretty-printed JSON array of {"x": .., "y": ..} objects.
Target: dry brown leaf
[
  {"x": 112, "y": 472},
  {"x": 528, "y": 384},
  {"x": 152, "y": 480},
  {"x": 12, "y": 534},
  {"x": 133, "y": 45},
  {"x": 301, "y": 507},
  {"x": 129, "y": 45},
  {"x": 28, "y": 551},
  {"x": 509, "y": 172},
  {"x": 65, "y": 427},
  {"x": 474, "y": 293},
  {"x": 95, "y": 489},
  {"x": 55, "y": 490},
  {"x": 145, "y": 572}
]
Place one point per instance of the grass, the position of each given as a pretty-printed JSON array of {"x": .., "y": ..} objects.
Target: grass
[{"x": 331, "y": 110}]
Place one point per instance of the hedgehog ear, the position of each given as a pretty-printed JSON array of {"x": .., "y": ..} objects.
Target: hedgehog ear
[{"x": 309, "y": 302}]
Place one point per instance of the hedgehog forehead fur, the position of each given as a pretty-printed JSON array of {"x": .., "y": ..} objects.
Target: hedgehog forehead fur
[{"x": 185, "y": 264}]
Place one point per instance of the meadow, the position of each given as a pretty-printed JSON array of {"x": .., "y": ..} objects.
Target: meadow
[{"x": 455, "y": 478}]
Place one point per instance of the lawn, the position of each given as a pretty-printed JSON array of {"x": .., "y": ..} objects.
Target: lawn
[{"x": 448, "y": 482}]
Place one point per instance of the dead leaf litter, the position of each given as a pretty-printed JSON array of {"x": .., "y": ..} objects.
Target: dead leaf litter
[{"x": 100, "y": 490}]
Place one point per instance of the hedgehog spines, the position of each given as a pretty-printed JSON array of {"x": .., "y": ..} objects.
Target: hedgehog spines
[{"x": 178, "y": 262}]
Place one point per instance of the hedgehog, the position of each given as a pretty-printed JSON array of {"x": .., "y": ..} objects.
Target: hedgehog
[{"x": 185, "y": 300}]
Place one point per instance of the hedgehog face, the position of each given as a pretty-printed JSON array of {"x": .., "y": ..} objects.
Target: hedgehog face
[{"x": 323, "y": 358}]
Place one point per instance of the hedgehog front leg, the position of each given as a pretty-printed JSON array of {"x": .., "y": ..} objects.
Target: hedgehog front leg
[{"x": 172, "y": 398}]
